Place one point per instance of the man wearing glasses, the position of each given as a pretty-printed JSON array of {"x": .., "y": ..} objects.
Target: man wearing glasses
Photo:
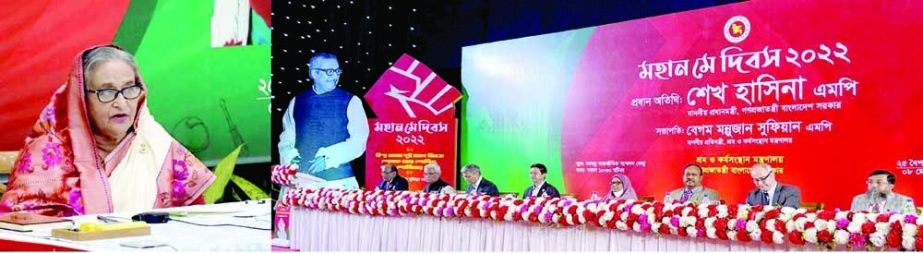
[
  {"x": 324, "y": 128},
  {"x": 770, "y": 192},
  {"x": 880, "y": 196},
  {"x": 390, "y": 180},
  {"x": 434, "y": 183}
]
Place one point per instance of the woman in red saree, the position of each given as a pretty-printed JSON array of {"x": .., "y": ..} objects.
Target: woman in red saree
[{"x": 96, "y": 148}]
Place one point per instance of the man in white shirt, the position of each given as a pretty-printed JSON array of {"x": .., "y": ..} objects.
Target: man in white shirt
[
  {"x": 324, "y": 128},
  {"x": 431, "y": 174}
]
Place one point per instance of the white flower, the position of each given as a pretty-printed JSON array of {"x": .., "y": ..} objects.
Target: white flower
[
  {"x": 622, "y": 206},
  {"x": 894, "y": 218},
  {"x": 686, "y": 211},
  {"x": 722, "y": 211},
  {"x": 732, "y": 235},
  {"x": 831, "y": 226},
  {"x": 656, "y": 228},
  {"x": 710, "y": 232},
  {"x": 592, "y": 207},
  {"x": 692, "y": 232},
  {"x": 820, "y": 224},
  {"x": 743, "y": 213},
  {"x": 665, "y": 220},
  {"x": 582, "y": 219},
  {"x": 841, "y": 237},
  {"x": 771, "y": 225},
  {"x": 919, "y": 221},
  {"x": 859, "y": 218},
  {"x": 752, "y": 226},
  {"x": 882, "y": 227},
  {"x": 810, "y": 235},
  {"x": 687, "y": 221},
  {"x": 854, "y": 227},
  {"x": 608, "y": 216},
  {"x": 636, "y": 227},
  {"x": 621, "y": 225},
  {"x": 623, "y": 216},
  {"x": 909, "y": 230},
  {"x": 840, "y": 215},
  {"x": 636, "y": 209},
  {"x": 703, "y": 211},
  {"x": 710, "y": 222},
  {"x": 811, "y": 217},
  {"x": 790, "y": 226},
  {"x": 755, "y": 235},
  {"x": 541, "y": 218},
  {"x": 509, "y": 216},
  {"x": 732, "y": 224},
  {"x": 878, "y": 238},
  {"x": 778, "y": 238},
  {"x": 908, "y": 242},
  {"x": 800, "y": 222}
]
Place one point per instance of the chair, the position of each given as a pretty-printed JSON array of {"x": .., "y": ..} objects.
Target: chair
[
  {"x": 514, "y": 194},
  {"x": 813, "y": 206},
  {"x": 646, "y": 199},
  {"x": 569, "y": 195}
]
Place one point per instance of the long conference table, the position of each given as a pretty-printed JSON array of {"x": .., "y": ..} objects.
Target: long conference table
[
  {"x": 176, "y": 236},
  {"x": 318, "y": 230}
]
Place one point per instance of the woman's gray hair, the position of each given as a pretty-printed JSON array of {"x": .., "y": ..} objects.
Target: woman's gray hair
[{"x": 101, "y": 55}]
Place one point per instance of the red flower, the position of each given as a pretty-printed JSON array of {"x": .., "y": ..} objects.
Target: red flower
[
  {"x": 712, "y": 210},
  {"x": 668, "y": 213},
  {"x": 682, "y": 232},
  {"x": 918, "y": 243},
  {"x": 826, "y": 215},
  {"x": 613, "y": 207},
  {"x": 721, "y": 224},
  {"x": 475, "y": 212},
  {"x": 590, "y": 216},
  {"x": 721, "y": 234},
  {"x": 893, "y": 239},
  {"x": 796, "y": 238},
  {"x": 766, "y": 236},
  {"x": 756, "y": 209},
  {"x": 518, "y": 202},
  {"x": 630, "y": 223},
  {"x": 664, "y": 229},
  {"x": 633, "y": 217},
  {"x": 774, "y": 213},
  {"x": 824, "y": 236},
  {"x": 780, "y": 226},
  {"x": 610, "y": 223},
  {"x": 883, "y": 218},
  {"x": 743, "y": 236},
  {"x": 700, "y": 224},
  {"x": 808, "y": 225},
  {"x": 533, "y": 217},
  {"x": 732, "y": 210}
]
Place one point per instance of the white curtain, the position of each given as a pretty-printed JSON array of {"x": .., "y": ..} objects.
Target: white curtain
[{"x": 314, "y": 230}]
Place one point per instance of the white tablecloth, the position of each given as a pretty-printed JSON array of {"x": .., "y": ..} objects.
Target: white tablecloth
[
  {"x": 183, "y": 237},
  {"x": 314, "y": 230}
]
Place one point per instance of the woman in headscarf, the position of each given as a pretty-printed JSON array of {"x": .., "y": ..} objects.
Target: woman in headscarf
[
  {"x": 96, "y": 148},
  {"x": 620, "y": 188}
]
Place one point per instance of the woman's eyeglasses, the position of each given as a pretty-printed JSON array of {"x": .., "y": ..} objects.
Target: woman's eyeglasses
[{"x": 109, "y": 95}]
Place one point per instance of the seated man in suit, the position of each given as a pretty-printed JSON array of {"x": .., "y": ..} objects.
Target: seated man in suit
[
  {"x": 880, "y": 197},
  {"x": 692, "y": 189},
  {"x": 769, "y": 191},
  {"x": 391, "y": 180},
  {"x": 434, "y": 184},
  {"x": 476, "y": 183},
  {"x": 539, "y": 187}
]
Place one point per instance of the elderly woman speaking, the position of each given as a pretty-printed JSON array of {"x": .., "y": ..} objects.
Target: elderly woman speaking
[{"x": 96, "y": 148}]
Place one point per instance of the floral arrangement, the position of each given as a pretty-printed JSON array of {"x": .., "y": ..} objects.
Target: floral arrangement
[
  {"x": 283, "y": 174},
  {"x": 771, "y": 225}
]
